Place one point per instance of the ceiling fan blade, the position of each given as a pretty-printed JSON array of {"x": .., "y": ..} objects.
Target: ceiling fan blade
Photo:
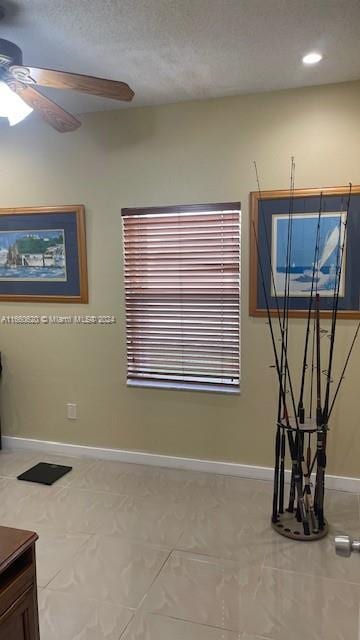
[
  {"x": 77, "y": 82},
  {"x": 54, "y": 115}
]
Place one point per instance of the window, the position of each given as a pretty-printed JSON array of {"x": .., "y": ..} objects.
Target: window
[{"x": 182, "y": 294}]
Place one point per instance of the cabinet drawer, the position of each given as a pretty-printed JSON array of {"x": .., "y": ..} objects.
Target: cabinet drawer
[
  {"x": 20, "y": 621},
  {"x": 14, "y": 582}
]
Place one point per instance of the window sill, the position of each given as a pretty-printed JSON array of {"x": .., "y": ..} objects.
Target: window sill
[{"x": 184, "y": 386}]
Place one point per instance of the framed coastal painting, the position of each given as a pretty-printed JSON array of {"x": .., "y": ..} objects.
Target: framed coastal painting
[
  {"x": 271, "y": 226},
  {"x": 43, "y": 254}
]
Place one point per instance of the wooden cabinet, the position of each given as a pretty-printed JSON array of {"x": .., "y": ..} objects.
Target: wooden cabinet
[{"x": 18, "y": 591}]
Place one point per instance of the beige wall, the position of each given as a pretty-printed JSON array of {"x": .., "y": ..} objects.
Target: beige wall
[{"x": 185, "y": 153}]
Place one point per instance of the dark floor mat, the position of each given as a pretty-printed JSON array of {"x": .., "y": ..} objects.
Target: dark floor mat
[{"x": 45, "y": 473}]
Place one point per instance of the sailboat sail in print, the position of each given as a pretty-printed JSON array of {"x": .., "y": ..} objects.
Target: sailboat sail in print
[{"x": 331, "y": 245}]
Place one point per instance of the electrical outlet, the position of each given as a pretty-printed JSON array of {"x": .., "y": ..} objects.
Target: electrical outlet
[{"x": 71, "y": 411}]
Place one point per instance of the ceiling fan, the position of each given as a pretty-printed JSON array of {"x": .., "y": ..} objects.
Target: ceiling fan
[{"x": 24, "y": 82}]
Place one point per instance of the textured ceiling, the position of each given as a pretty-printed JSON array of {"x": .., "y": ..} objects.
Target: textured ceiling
[{"x": 172, "y": 50}]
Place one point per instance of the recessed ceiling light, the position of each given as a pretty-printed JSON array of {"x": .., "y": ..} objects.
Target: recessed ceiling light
[{"x": 312, "y": 58}]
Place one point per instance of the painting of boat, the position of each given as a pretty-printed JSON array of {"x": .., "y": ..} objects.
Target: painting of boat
[
  {"x": 3, "y": 257},
  {"x": 33, "y": 255},
  {"x": 331, "y": 247},
  {"x": 303, "y": 272}
]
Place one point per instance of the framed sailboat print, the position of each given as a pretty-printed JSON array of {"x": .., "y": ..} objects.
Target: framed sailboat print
[
  {"x": 43, "y": 254},
  {"x": 285, "y": 228}
]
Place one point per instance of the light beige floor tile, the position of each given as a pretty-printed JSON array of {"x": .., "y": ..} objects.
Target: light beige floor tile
[
  {"x": 153, "y": 627},
  {"x": 257, "y": 529},
  {"x": 248, "y": 503},
  {"x": 214, "y": 531},
  {"x": 187, "y": 477},
  {"x": 246, "y": 636},
  {"x": 204, "y": 590},
  {"x": 26, "y": 501},
  {"x": 138, "y": 480},
  {"x": 12, "y": 463},
  {"x": 111, "y": 569},
  {"x": 340, "y": 504},
  {"x": 220, "y": 525},
  {"x": 290, "y": 606},
  {"x": 158, "y": 521},
  {"x": 344, "y": 525},
  {"x": 68, "y": 510},
  {"x": 53, "y": 550},
  {"x": 4, "y": 482},
  {"x": 107, "y": 476},
  {"x": 78, "y": 511},
  {"x": 314, "y": 558},
  {"x": 234, "y": 487},
  {"x": 69, "y": 617},
  {"x": 304, "y": 592},
  {"x": 224, "y": 532}
]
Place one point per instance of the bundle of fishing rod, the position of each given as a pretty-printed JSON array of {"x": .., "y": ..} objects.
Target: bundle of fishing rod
[{"x": 303, "y": 417}]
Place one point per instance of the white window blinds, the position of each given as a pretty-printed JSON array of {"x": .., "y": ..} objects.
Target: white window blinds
[{"x": 182, "y": 294}]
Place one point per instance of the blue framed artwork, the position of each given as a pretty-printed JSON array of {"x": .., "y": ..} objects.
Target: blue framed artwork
[
  {"x": 43, "y": 254},
  {"x": 269, "y": 226}
]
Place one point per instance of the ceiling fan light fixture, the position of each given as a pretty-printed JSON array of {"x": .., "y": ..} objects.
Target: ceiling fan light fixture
[
  {"x": 12, "y": 106},
  {"x": 19, "y": 94}
]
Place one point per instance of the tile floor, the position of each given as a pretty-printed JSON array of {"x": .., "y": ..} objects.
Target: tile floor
[{"x": 142, "y": 553}]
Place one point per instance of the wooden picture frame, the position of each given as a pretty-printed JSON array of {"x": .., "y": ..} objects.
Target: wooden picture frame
[
  {"x": 266, "y": 211},
  {"x": 43, "y": 254}
]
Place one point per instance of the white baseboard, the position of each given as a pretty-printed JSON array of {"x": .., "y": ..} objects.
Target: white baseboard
[{"x": 341, "y": 483}]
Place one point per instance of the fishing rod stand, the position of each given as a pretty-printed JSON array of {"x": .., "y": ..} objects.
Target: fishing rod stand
[
  {"x": 288, "y": 526},
  {"x": 303, "y": 517},
  {"x": 301, "y": 438}
]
